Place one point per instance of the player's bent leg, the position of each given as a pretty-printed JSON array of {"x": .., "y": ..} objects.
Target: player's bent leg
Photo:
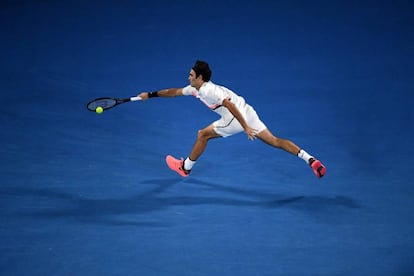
[
  {"x": 201, "y": 143},
  {"x": 182, "y": 167}
]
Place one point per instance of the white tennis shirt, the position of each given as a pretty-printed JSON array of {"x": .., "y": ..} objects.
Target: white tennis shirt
[{"x": 212, "y": 95}]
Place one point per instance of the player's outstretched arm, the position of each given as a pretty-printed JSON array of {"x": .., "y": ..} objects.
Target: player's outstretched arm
[{"x": 169, "y": 92}]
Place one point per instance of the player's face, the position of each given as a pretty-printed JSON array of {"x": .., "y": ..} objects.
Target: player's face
[{"x": 195, "y": 82}]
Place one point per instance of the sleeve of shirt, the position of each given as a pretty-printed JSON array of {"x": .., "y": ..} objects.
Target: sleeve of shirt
[
  {"x": 218, "y": 95},
  {"x": 188, "y": 90}
]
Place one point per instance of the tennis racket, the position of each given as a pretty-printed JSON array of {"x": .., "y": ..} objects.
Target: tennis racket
[{"x": 107, "y": 102}]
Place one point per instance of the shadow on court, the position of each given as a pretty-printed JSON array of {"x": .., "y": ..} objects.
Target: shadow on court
[{"x": 52, "y": 203}]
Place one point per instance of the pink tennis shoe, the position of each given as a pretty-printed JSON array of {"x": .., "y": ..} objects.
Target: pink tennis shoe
[
  {"x": 177, "y": 165},
  {"x": 317, "y": 167}
]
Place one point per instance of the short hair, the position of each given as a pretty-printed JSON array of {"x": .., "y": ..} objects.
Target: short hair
[{"x": 202, "y": 68}]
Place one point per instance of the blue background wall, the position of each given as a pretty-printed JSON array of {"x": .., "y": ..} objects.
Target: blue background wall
[{"x": 90, "y": 194}]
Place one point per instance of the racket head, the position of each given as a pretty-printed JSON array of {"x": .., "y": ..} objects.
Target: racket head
[{"x": 104, "y": 102}]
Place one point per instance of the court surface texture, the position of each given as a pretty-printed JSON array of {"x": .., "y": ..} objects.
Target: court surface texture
[{"x": 89, "y": 194}]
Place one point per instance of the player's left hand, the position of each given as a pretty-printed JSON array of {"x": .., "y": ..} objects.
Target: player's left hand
[{"x": 251, "y": 133}]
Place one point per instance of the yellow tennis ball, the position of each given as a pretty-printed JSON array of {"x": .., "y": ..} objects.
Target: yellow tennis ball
[{"x": 99, "y": 110}]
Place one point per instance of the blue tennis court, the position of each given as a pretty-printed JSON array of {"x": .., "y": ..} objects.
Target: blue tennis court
[{"x": 89, "y": 194}]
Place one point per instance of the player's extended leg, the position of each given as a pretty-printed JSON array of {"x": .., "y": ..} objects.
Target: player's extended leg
[
  {"x": 183, "y": 167},
  {"x": 267, "y": 137},
  {"x": 287, "y": 145}
]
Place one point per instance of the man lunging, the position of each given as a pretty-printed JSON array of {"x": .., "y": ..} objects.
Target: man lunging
[{"x": 235, "y": 116}]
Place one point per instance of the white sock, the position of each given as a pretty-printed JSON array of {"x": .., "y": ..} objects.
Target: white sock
[
  {"x": 188, "y": 164},
  {"x": 304, "y": 155}
]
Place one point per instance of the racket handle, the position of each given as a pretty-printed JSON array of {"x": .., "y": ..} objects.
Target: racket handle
[{"x": 137, "y": 98}]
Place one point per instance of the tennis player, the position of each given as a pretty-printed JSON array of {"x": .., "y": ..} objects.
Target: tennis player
[{"x": 235, "y": 116}]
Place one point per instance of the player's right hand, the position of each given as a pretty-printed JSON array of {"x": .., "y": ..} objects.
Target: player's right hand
[{"x": 143, "y": 96}]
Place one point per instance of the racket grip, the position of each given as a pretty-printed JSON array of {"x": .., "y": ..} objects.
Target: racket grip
[{"x": 137, "y": 98}]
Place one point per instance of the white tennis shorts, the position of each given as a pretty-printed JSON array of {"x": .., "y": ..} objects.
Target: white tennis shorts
[{"x": 229, "y": 126}]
